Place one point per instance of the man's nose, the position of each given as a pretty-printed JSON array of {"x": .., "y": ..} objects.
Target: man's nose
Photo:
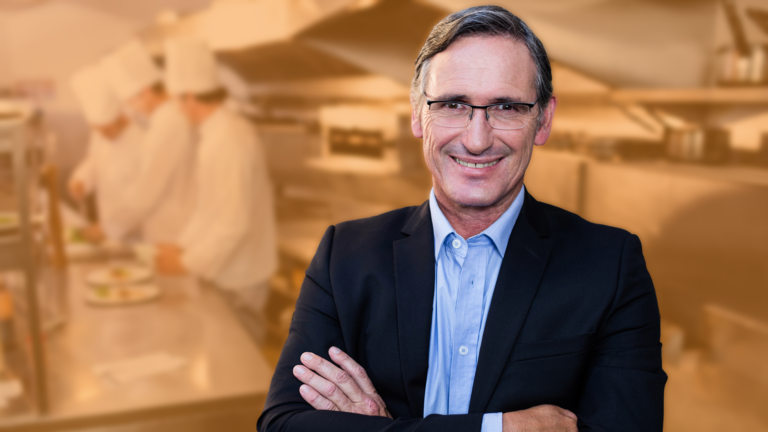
[{"x": 478, "y": 134}]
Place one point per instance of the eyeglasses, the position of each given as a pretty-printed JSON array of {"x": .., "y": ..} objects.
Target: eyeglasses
[{"x": 502, "y": 116}]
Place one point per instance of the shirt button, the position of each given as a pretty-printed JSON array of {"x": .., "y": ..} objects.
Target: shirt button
[
  {"x": 456, "y": 243},
  {"x": 463, "y": 350}
]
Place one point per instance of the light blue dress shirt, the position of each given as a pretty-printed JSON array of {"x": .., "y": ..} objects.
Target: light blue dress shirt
[{"x": 465, "y": 277}]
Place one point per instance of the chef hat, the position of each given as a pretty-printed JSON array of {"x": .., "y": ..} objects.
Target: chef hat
[
  {"x": 131, "y": 70},
  {"x": 190, "y": 67},
  {"x": 99, "y": 104}
]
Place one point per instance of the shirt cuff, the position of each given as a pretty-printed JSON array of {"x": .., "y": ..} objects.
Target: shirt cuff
[{"x": 492, "y": 422}]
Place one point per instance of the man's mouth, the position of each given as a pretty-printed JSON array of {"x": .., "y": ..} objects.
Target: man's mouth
[{"x": 476, "y": 165}]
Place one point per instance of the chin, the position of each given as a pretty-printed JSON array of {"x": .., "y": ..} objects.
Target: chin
[{"x": 474, "y": 198}]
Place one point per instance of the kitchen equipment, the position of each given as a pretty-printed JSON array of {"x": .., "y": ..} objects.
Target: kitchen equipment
[{"x": 699, "y": 145}]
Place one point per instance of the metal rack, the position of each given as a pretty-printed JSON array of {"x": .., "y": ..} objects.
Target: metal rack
[{"x": 21, "y": 249}]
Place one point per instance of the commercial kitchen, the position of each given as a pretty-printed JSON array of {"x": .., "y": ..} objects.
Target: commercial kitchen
[{"x": 661, "y": 129}]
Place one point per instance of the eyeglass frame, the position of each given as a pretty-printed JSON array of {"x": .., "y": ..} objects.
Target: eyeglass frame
[{"x": 483, "y": 107}]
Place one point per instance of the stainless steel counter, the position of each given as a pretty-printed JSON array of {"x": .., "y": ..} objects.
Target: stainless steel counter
[{"x": 223, "y": 367}]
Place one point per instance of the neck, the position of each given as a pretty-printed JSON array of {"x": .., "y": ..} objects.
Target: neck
[{"x": 471, "y": 221}]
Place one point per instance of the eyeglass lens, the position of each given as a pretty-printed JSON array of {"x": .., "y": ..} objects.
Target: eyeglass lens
[{"x": 503, "y": 116}]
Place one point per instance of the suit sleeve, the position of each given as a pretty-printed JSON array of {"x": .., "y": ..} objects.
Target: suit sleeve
[
  {"x": 315, "y": 328},
  {"x": 624, "y": 384}
]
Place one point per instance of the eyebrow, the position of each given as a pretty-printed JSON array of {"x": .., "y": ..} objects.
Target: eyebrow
[{"x": 458, "y": 97}]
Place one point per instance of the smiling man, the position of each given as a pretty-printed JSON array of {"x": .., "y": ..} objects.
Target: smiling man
[{"x": 482, "y": 309}]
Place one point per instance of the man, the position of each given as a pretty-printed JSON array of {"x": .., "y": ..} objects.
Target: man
[
  {"x": 230, "y": 239},
  {"x": 481, "y": 309},
  {"x": 160, "y": 199},
  {"x": 113, "y": 156}
]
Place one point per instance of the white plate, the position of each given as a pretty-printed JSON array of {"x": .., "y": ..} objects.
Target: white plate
[
  {"x": 121, "y": 295},
  {"x": 119, "y": 274}
]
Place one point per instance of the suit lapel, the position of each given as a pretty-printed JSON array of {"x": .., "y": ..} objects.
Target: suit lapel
[
  {"x": 521, "y": 270},
  {"x": 415, "y": 288}
]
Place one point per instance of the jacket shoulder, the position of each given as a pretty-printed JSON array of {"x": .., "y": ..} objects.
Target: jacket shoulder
[
  {"x": 568, "y": 225},
  {"x": 384, "y": 227}
]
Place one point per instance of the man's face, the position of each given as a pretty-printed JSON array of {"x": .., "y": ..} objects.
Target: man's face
[{"x": 480, "y": 71}]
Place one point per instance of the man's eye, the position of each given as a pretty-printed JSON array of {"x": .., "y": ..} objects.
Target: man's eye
[
  {"x": 452, "y": 105},
  {"x": 512, "y": 108}
]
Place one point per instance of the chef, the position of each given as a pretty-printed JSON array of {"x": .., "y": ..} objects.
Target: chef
[
  {"x": 230, "y": 239},
  {"x": 160, "y": 199},
  {"x": 113, "y": 156}
]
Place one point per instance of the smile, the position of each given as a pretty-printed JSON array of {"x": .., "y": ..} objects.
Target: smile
[{"x": 474, "y": 165}]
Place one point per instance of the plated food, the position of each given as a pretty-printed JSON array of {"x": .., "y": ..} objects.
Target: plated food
[
  {"x": 105, "y": 295},
  {"x": 119, "y": 275}
]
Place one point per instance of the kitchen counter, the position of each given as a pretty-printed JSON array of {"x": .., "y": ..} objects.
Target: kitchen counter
[{"x": 222, "y": 368}]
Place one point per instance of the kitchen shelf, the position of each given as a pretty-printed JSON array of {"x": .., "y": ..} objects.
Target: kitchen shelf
[{"x": 693, "y": 96}]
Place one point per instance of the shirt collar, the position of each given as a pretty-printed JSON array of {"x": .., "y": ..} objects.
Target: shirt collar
[{"x": 498, "y": 232}]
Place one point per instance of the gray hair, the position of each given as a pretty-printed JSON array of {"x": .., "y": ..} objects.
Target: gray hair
[{"x": 483, "y": 21}]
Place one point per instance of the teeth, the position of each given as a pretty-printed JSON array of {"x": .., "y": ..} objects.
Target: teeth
[{"x": 473, "y": 165}]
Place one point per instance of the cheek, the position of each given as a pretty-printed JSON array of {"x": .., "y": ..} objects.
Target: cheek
[{"x": 437, "y": 138}]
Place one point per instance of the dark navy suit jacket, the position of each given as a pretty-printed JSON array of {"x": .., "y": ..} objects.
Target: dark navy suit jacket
[{"x": 573, "y": 322}]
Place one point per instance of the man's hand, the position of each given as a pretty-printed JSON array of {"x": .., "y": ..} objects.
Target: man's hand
[
  {"x": 542, "y": 418},
  {"x": 328, "y": 388},
  {"x": 168, "y": 260},
  {"x": 94, "y": 234}
]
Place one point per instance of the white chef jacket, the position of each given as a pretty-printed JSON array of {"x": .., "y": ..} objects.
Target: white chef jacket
[
  {"x": 230, "y": 239},
  {"x": 108, "y": 169},
  {"x": 160, "y": 200}
]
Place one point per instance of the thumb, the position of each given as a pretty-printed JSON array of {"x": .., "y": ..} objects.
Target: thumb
[{"x": 569, "y": 414}]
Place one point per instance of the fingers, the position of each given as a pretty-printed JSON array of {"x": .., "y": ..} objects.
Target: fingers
[
  {"x": 337, "y": 386},
  {"x": 330, "y": 372},
  {"x": 353, "y": 369},
  {"x": 315, "y": 399},
  {"x": 360, "y": 376},
  {"x": 325, "y": 388}
]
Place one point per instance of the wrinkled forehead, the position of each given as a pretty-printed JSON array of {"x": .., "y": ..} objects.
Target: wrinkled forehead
[{"x": 482, "y": 68}]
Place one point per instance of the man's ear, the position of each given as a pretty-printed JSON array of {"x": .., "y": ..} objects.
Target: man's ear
[
  {"x": 418, "y": 132},
  {"x": 545, "y": 127}
]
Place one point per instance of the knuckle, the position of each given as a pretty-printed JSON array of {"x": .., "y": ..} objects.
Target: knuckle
[
  {"x": 327, "y": 405},
  {"x": 360, "y": 372},
  {"x": 341, "y": 376},
  {"x": 371, "y": 407},
  {"x": 330, "y": 389}
]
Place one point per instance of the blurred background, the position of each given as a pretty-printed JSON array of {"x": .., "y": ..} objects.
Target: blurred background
[{"x": 661, "y": 129}]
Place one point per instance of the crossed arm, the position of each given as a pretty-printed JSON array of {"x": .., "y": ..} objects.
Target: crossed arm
[{"x": 346, "y": 388}]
